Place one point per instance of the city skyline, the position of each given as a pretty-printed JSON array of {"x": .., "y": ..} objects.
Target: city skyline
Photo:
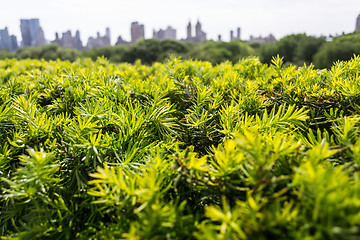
[
  {"x": 33, "y": 35},
  {"x": 259, "y": 17}
]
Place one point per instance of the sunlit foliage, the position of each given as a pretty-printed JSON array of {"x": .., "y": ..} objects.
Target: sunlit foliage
[{"x": 180, "y": 150}]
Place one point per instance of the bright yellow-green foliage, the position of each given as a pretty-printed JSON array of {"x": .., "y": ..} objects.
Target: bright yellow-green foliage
[{"x": 181, "y": 150}]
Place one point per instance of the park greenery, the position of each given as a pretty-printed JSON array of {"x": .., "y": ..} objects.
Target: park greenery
[
  {"x": 297, "y": 49},
  {"x": 184, "y": 149}
]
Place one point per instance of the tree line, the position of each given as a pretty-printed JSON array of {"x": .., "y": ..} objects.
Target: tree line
[{"x": 296, "y": 49}]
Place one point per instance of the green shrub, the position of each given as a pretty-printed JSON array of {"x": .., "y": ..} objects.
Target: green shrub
[{"x": 180, "y": 150}]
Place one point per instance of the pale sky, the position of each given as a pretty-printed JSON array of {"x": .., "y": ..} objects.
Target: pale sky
[{"x": 254, "y": 17}]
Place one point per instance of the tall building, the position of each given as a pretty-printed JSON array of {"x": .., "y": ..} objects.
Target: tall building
[
  {"x": 121, "y": 41},
  {"x": 260, "y": 39},
  {"x": 237, "y": 37},
  {"x": 8, "y": 41},
  {"x": 137, "y": 32},
  {"x": 169, "y": 33},
  {"x": 14, "y": 43},
  {"x": 200, "y": 35},
  {"x": 99, "y": 41},
  {"x": 31, "y": 32},
  {"x": 5, "y": 38},
  {"x": 67, "y": 40},
  {"x": 188, "y": 31},
  {"x": 358, "y": 23},
  {"x": 107, "y": 34}
]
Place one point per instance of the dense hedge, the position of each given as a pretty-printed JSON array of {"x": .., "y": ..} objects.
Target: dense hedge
[{"x": 181, "y": 150}]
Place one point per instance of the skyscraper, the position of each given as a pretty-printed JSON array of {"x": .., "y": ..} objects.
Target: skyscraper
[
  {"x": 238, "y": 33},
  {"x": 107, "y": 35},
  {"x": 189, "y": 34},
  {"x": 200, "y": 35},
  {"x": 168, "y": 33},
  {"x": 7, "y": 41},
  {"x": 99, "y": 41},
  {"x": 31, "y": 32},
  {"x": 237, "y": 37},
  {"x": 14, "y": 43},
  {"x": 67, "y": 40},
  {"x": 137, "y": 32}
]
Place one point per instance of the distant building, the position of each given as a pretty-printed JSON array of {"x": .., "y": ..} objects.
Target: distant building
[
  {"x": 260, "y": 39},
  {"x": 238, "y": 33},
  {"x": 232, "y": 37},
  {"x": 168, "y": 33},
  {"x": 188, "y": 31},
  {"x": 358, "y": 23},
  {"x": 31, "y": 32},
  {"x": 7, "y": 41},
  {"x": 137, "y": 31},
  {"x": 67, "y": 40},
  {"x": 99, "y": 41},
  {"x": 121, "y": 41},
  {"x": 14, "y": 43},
  {"x": 200, "y": 35}
]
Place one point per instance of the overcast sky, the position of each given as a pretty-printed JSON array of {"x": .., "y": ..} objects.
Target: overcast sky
[{"x": 254, "y": 17}]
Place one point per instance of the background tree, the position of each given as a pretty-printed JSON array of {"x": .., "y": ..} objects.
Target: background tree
[
  {"x": 5, "y": 53},
  {"x": 335, "y": 51},
  {"x": 297, "y": 49}
]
